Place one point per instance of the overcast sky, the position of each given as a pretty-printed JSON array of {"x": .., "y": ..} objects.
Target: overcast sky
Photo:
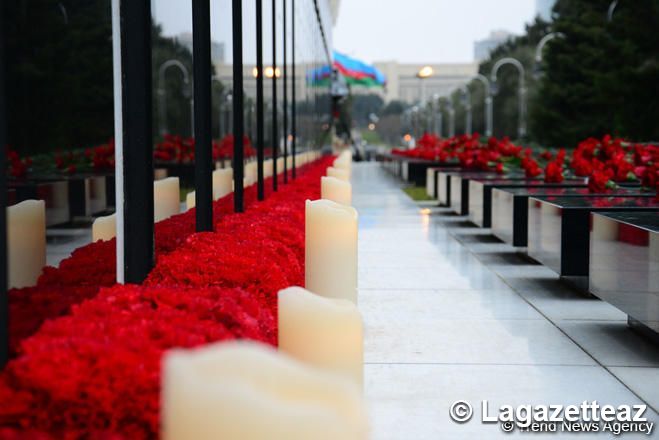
[
  {"x": 420, "y": 31},
  {"x": 424, "y": 31}
]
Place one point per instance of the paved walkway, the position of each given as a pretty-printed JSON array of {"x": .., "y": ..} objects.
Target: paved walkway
[{"x": 453, "y": 314}]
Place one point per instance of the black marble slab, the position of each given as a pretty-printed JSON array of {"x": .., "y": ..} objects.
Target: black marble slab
[
  {"x": 436, "y": 182},
  {"x": 559, "y": 229},
  {"x": 459, "y": 187},
  {"x": 624, "y": 264},
  {"x": 510, "y": 208},
  {"x": 54, "y": 193},
  {"x": 415, "y": 170},
  {"x": 480, "y": 194}
]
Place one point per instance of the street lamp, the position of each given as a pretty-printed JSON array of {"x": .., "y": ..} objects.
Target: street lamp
[
  {"x": 537, "y": 70},
  {"x": 451, "y": 117},
  {"x": 425, "y": 73},
  {"x": 270, "y": 72},
  {"x": 466, "y": 102},
  {"x": 415, "y": 121},
  {"x": 488, "y": 103},
  {"x": 612, "y": 9},
  {"x": 162, "y": 94},
  {"x": 436, "y": 115},
  {"x": 521, "y": 128}
]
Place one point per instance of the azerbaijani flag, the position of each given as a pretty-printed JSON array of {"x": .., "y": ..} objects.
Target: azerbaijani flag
[{"x": 355, "y": 72}]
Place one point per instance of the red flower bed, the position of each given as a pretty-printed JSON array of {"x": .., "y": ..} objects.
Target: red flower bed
[
  {"x": 605, "y": 162},
  {"x": 178, "y": 149},
  {"x": 609, "y": 161},
  {"x": 94, "y": 372}
]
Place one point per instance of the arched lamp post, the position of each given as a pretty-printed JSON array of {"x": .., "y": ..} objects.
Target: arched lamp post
[
  {"x": 466, "y": 101},
  {"x": 521, "y": 128},
  {"x": 488, "y": 103},
  {"x": 612, "y": 9},
  {"x": 539, "y": 49},
  {"x": 451, "y": 118},
  {"x": 162, "y": 94},
  {"x": 424, "y": 73},
  {"x": 437, "y": 115}
]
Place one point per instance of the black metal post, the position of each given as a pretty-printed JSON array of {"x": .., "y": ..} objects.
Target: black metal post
[
  {"x": 293, "y": 94},
  {"x": 260, "y": 126},
  {"x": 275, "y": 128},
  {"x": 201, "y": 43},
  {"x": 285, "y": 91},
  {"x": 238, "y": 115},
  {"x": 4, "y": 297},
  {"x": 137, "y": 139}
]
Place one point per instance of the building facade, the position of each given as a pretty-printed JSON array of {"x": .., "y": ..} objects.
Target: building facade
[
  {"x": 403, "y": 84},
  {"x": 483, "y": 48}
]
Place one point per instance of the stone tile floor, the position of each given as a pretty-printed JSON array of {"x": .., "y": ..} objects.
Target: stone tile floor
[{"x": 453, "y": 314}]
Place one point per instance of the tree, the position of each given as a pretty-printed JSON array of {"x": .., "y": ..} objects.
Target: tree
[
  {"x": 601, "y": 77},
  {"x": 365, "y": 105},
  {"x": 59, "y": 75},
  {"x": 506, "y": 102}
]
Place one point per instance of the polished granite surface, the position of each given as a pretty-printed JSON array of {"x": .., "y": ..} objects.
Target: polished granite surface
[
  {"x": 460, "y": 183},
  {"x": 509, "y": 216},
  {"x": 559, "y": 229},
  {"x": 643, "y": 220},
  {"x": 612, "y": 202},
  {"x": 624, "y": 264},
  {"x": 480, "y": 195},
  {"x": 453, "y": 314}
]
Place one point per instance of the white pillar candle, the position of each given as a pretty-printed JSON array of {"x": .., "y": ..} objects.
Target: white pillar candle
[
  {"x": 430, "y": 182},
  {"x": 324, "y": 332},
  {"x": 331, "y": 249},
  {"x": 250, "y": 173},
  {"x": 249, "y": 391},
  {"x": 336, "y": 190},
  {"x": 222, "y": 182},
  {"x": 104, "y": 228},
  {"x": 190, "y": 200},
  {"x": 344, "y": 161},
  {"x": 160, "y": 173},
  {"x": 338, "y": 173},
  {"x": 267, "y": 168},
  {"x": 166, "y": 198},
  {"x": 26, "y": 242}
]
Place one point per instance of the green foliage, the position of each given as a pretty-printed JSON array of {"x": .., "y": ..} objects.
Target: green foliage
[
  {"x": 394, "y": 107},
  {"x": 417, "y": 193},
  {"x": 365, "y": 105},
  {"x": 59, "y": 75},
  {"x": 602, "y": 77},
  {"x": 506, "y": 102},
  {"x": 371, "y": 137}
]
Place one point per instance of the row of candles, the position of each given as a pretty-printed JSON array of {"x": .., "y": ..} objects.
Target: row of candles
[
  {"x": 311, "y": 387},
  {"x": 26, "y": 221}
]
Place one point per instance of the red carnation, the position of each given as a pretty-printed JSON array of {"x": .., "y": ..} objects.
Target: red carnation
[
  {"x": 554, "y": 172},
  {"x": 600, "y": 181}
]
